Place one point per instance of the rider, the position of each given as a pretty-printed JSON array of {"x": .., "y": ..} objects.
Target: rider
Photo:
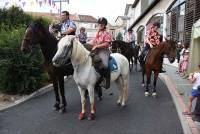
[
  {"x": 66, "y": 26},
  {"x": 101, "y": 47},
  {"x": 130, "y": 37},
  {"x": 82, "y": 36},
  {"x": 152, "y": 39}
]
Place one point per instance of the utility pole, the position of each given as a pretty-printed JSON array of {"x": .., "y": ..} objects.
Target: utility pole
[{"x": 60, "y": 1}]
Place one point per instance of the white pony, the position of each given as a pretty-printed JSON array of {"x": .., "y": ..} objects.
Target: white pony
[{"x": 85, "y": 75}]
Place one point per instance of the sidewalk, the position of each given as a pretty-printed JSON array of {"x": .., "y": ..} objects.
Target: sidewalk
[{"x": 180, "y": 90}]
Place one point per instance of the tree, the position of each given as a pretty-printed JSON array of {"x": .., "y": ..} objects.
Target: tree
[{"x": 119, "y": 36}]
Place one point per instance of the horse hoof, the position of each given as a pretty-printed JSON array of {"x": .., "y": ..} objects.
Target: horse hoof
[
  {"x": 91, "y": 116},
  {"x": 56, "y": 107},
  {"x": 118, "y": 103},
  {"x": 99, "y": 98},
  {"x": 123, "y": 104},
  {"x": 154, "y": 94},
  {"x": 146, "y": 94},
  {"x": 63, "y": 110},
  {"x": 81, "y": 116}
]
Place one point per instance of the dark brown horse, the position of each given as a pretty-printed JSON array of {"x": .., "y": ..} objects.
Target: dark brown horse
[
  {"x": 37, "y": 34},
  {"x": 153, "y": 62},
  {"x": 127, "y": 50}
]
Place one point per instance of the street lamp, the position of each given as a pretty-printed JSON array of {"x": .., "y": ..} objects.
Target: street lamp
[{"x": 61, "y": 3}]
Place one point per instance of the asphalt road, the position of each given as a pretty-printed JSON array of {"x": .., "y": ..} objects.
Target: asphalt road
[{"x": 142, "y": 115}]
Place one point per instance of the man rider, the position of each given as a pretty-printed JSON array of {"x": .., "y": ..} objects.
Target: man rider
[
  {"x": 66, "y": 27},
  {"x": 101, "y": 44},
  {"x": 130, "y": 37}
]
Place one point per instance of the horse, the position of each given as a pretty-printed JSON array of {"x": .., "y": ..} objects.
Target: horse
[
  {"x": 85, "y": 74},
  {"x": 127, "y": 50},
  {"x": 35, "y": 34},
  {"x": 153, "y": 63}
]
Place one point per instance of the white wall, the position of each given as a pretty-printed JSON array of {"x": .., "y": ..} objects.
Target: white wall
[{"x": 161, "y": 7}]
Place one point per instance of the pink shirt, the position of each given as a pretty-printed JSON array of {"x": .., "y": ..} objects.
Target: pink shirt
[{"x": 102, "y": 37}]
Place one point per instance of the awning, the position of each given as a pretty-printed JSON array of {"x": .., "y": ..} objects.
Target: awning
[{"x": 194, "y": 57}]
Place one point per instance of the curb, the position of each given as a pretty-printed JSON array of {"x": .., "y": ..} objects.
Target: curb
[
  {"x": 39, "y": 92},
  {"x": 188, "y": 125}
]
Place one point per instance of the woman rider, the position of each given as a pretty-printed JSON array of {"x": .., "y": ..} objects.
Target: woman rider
[
  {"x": 101, "y": 44},
  {"x": 152, "y": 39}
]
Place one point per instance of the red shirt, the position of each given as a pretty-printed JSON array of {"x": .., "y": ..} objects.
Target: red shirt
[
  {"x": 102, "y": 37},
  {"x": 153, "y": 36}
]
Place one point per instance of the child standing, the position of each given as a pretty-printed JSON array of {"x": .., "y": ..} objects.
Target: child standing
[
  {"x": 195, "y": 79},
  {"x": 184, "y": 63}
]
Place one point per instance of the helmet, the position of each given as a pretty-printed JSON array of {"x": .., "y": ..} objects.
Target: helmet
[
  {"x": 82, "y": 28},
  {"x": 102, "y": 20}
]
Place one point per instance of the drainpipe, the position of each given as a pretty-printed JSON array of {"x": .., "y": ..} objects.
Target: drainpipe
[{"x": 164, "y": 26}]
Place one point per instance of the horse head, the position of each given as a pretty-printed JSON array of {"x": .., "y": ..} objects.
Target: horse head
[
  {"x": 64, "y": 52},
  {"x": 113, "y": 47},
  {"x": 33, "y": 36},
  {"x": 117, "y": 46},
  {"x": 170, "y": 49}
]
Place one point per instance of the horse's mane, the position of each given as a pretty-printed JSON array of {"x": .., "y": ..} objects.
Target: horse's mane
[
  {"x": 122, "y": 44},
  {"x": 80, "y": 53},
  {"x": 38, "y": 25}
]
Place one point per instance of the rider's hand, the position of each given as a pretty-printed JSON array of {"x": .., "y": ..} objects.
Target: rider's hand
[{"x": 94, "y": 47}]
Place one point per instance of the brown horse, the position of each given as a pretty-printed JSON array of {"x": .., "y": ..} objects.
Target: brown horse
[
  {"x": 37, "y": 34},
  {"x": 127, "y": 50},
  {"x": 153, "y": 62}
]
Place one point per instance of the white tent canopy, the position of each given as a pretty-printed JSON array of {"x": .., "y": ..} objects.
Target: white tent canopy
[{"x": 194, "y": 58}]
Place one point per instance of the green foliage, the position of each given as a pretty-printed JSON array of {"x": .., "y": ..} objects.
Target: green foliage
[
  {"x": 119, "y": 36},
  {"x": 19, "y": 73},
  {"x": 12, "y": 18}
]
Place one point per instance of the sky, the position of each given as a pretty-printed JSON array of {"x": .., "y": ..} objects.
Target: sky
[{"x": 97, "y": 8}]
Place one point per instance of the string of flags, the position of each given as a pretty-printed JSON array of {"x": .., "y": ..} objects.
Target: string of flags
[{"x": 32, "y": 3}]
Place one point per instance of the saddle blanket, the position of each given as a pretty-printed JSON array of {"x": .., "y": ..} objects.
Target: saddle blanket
[{"x": 112, "y": 64}]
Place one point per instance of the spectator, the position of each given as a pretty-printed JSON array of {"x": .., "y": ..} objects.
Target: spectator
[
  {"x": 82, "y": 36},
  {"x": 130, "y": 37},
  {"x": 185, "y": 47},
  {"x": 184, "y": 63},
  {"x": 195, "y": 79},
  {"x": 178, "y": 50}
]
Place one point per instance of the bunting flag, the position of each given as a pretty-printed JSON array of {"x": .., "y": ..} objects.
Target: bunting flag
[
  {"x": 6, "y": 3},
  {"x": 49, "y": 2},
  {"x": 23, "y": 3},
  {"x": 40, "y": 3}
]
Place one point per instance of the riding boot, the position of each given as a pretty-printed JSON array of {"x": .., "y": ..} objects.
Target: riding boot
[
  {"x": 106, "y": 82},
  {"x": 142, "y": 55}
]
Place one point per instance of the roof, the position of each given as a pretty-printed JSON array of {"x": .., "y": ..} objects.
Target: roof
[
  {"x": 74, "y": 17},
  {"x": 127, "y": 8},
  {"x": 122, "y": 17},
  {"x": 87, "y": 18},
  {"x": 135, "y": 3}
]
